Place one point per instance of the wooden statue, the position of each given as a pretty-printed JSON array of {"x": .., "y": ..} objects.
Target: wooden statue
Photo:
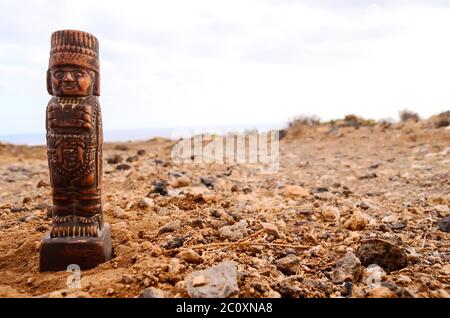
[{"x": 74, "y": 148}]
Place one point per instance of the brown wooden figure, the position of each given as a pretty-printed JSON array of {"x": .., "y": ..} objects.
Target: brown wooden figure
[{"x": 74, "y": 148}]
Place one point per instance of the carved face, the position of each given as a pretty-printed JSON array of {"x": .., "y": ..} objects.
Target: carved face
[{"x": 71, "y": 81}]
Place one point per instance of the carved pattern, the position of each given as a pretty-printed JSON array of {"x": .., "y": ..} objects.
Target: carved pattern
[
  {"x": 72, "y": 225},
  {"x": 71, "y": 156}
]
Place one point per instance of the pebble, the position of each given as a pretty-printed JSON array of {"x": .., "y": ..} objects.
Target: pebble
[
  {"x": 181, "y": 182},
  {"x": 170, "y": 227},
  {"x": 66, "y": 293},
  {"x": 190, "y": 256},
  {"x": 17, "y": 209},
  {"x": 444, "y": 224},
  {"x": 446, "y": 270},
  {"x": 390, "y": 219},
  {"x": 115, "y": 159},
  {"x": 380, "y": 292},
  {"x": 357, "y": 222},
  {"x": 152, "y": 292},
  {"x": 294, "y": 191},
  {"x": 30, "y": 218},
  {"x": 219, "y": 281},
  {"x": 127, "y": 279},
  {"x": 145, "y": 203},
  {"x": 42, "y": 184},
  {"x": 383, "y": 253},
  {"x": 289, "y": 265},
  {"x": 122, "y": 147},
  {"x": 175, "y": 242},
  {"x": 208, "y": 182},
  {"x": 330, "y": 213},
  {"x": 271, "y": 229},
  {"x": 26, "y": 200},
  {"x": 273, "y": 294},
  {"x": 373, "y": 275},
  {"x": 123, "y": 167},
  {"x": 121, "y": 214},
  {"x": 403, "y": 280},
  {"x": 348, "y": 268},
  {"x": 41, "y": 206},
  {"x": 160, "y": 187},
  {"x": 234, "y": 232},
  {"x": 133, "y": 158}
]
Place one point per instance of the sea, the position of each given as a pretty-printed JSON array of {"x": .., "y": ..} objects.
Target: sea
[{"x": 128, "y": 135}]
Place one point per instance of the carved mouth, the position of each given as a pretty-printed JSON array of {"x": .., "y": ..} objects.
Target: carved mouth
[{"x": 69, "y": 86}]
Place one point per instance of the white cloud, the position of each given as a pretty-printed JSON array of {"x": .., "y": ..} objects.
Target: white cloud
[{"x": 175, "y": 63}]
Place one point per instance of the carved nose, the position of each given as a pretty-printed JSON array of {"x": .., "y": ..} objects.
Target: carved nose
[{"x": 68, "y": 77}]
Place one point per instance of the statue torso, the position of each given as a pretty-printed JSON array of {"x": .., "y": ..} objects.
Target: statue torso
[{"x": 72, "y": 136}]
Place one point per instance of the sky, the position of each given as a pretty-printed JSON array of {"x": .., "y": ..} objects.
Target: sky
[{"x": 206, "y": 63}]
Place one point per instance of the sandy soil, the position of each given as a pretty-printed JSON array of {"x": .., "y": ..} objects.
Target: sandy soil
[{"x": 338, "y": 185}]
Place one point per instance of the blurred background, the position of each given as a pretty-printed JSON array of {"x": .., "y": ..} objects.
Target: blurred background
[{"x": 230, "y": 65}]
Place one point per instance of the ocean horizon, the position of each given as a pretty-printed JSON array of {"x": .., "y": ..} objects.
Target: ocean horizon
[{"x": 140, "y": 134}]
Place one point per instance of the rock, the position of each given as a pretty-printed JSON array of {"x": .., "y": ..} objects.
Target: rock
[
  {"x": 208, "y": 182},
  {"x": 115, "y": 159},
  {"x": 190, "y": 256},
  {"x": 181, "y": 182},
  {"x": 110, "y": 292},
  {"x": 42, "y": 206},
  {"x": 141, "y": 152},
  {"x": 175, "y": 242},
  {"x": 288, "y": 289},
  {"x": 26, "y": 200},
  {"x": 133, "y": 158},
  {"x": 273, "y": 294},
  {"x": 356, "y": 222},
  {"x": 127, "y": 279},
  {"x": 219, "y": 281},
  {"x": 122, "y": 147},
  {"x": 145, "y": 203},
  {"x": 66, "y": 293},
  {"x": 390, "y": 219},
  {"x": 42, "y": 184},
  {"x": 271, "y": 229},
  {"x": 120, "y": 213},
  {"x": 18, "y": 209},
  {"x": 170, "y": 227},
  {"x": 348, "y": 268},
  {"x": 289, "y": 265},
  {"x": 403, "y": 280},
  {"x": 383, "y": 253},
  {"x": 446, "y": 270},
  {"x": 294, "y": 191},
  {"x": 373, "y": 275},
  {"x": 330, "y": 213},
  {"x": 123, "y": 167},
  {"x": 234, "y": 232},
  {"x": 160, "y": 187},
  {"x": 444, "y": 224},
  {"x": 381, "y": 292},
  {"x": 347, "y": 289},
  {"x": 152, "y": 292},
  {"x": 29, "y": 218}
]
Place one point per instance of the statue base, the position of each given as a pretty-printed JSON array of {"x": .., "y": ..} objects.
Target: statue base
[{"x": 87, "y": 252}]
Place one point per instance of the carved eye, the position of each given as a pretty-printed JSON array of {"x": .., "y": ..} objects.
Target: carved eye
[
  {"x": 79, "y": 74},
  {"x": 58, "y": 74}
]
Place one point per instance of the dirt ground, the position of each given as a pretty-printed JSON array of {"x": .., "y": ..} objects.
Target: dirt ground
[{"x": 339, "y": 185}]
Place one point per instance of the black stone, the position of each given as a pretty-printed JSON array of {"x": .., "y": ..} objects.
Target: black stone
[{"x": 444, "y": 224}]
